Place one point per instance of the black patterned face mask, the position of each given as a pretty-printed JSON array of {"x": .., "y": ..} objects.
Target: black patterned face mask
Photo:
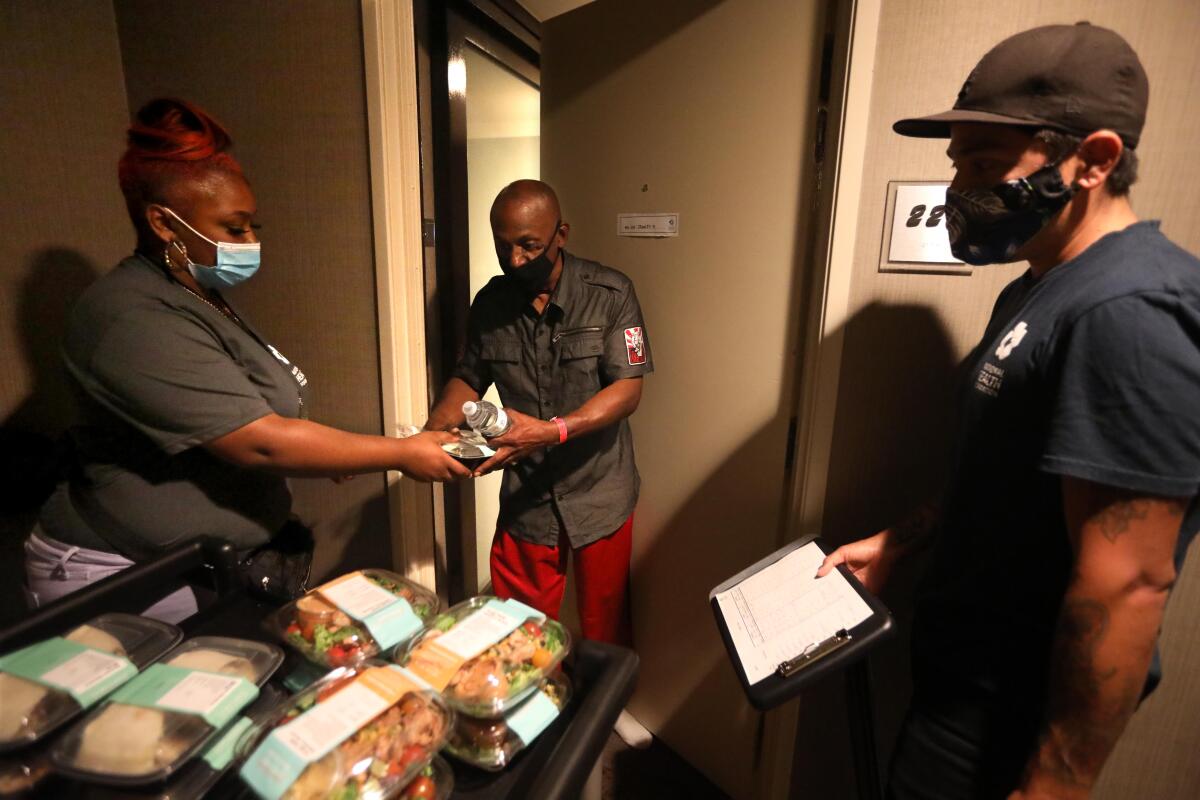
[
  {"x": 533, "y": 274},
  {"x": 989, "y": 226}
]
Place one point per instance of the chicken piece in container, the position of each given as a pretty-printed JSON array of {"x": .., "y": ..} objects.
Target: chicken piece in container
[
  {"x": 360, "y": 615},
  {"x": 486, "y": 655},
  {"x": 47, "y": 684},
  {"x": 362, "y": 732},
  {"x": 150, "y": 727}
]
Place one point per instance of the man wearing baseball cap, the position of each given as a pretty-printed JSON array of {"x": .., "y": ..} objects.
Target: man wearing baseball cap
[{"x": 1071, "y": 502}]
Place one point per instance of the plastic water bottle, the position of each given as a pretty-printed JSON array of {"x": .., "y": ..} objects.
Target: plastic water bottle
[{"x": 485, "y": 418}]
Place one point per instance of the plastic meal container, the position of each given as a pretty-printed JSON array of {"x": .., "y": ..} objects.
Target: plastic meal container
[
  {"x": 434, "y": 782},
  {"x": 153, "y": 725},
  {"x": 491, "y": 744},
  {"x": 358, "y": 616},
  {"x": 199, "y": 776},
  {"x": 364, "y": 731},
  {"x": 49, "y": 683},
  {"x": 487, "y": 655}
]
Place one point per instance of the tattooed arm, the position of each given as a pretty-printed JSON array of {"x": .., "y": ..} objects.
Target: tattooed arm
[
  {"x": 1124, "y": 548},
  {"x": 871, "y": 559}
]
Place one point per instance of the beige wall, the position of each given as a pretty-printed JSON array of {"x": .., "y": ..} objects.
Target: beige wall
[
  {"x": 907, "y": 332},
  {"x": 703, "y": 108},
  {"x": 63, "y": 224},
  {"x": 287, "y": 79},
  {"x": 63, "y": 221}
]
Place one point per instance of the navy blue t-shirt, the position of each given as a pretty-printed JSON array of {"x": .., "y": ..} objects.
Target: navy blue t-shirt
[{"x": 1091, "y": 371}]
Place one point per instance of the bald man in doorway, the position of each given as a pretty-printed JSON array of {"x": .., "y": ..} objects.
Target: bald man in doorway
[{"x": 563, "y": 340}]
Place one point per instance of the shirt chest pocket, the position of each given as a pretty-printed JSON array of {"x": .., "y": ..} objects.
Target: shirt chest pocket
[
  {"x": 503, "y": 358},
  {"x": 579, "y": 361}
]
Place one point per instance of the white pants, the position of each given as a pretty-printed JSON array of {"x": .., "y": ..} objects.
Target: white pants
[{"x": 54, "y": 569}]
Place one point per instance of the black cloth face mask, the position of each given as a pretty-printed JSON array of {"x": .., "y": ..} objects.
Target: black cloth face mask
[
  {"x": 533, "y": 274},
  {"x": 989, "y": 226}
]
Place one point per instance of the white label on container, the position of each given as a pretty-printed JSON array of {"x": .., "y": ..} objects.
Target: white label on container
[
  {"x": 478, "y": 632},
  {"x": 83, "y": 672},
  {"x": 326, "y": 724},
  {"x": 199, "y": 692},
  {"x": 358, "y": 596}
]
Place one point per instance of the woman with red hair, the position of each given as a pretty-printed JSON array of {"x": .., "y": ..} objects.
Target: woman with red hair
[{"x": 192, "y": 420}]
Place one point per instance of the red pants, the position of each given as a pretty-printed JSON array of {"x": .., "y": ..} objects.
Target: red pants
[{"x": 536, "y": 574}]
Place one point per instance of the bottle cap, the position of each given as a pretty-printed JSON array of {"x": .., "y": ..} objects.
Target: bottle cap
[{"x": 470, "y": 408}]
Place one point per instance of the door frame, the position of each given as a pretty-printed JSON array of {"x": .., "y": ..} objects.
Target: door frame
[
  {"x": 854, "y": 28},
  {"x": 418, "y": 196},
  {"x": 390, "y": 67}
]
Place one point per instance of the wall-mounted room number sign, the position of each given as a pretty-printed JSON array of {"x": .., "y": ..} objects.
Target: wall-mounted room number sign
[{"x": 914, "y": 237}]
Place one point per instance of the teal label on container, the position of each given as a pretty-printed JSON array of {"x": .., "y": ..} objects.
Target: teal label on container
[
  {"x": 214, "y": 697},
  {"x": 531, "y": 718},
  {"x": 289, "y": 749},
  {"x": 393, "y": 624},
  {"x": 389, "y": 618},
  {"x": 85, "y": 673},
  {"x": 273, "y": 768},
  {"x": 219, "y": 754}
]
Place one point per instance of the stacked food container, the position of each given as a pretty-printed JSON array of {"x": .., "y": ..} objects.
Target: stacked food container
[
  {"x": 495, "y": 662},
  {"x": 368, "y": 729},
  {"x": 46, "y": 685},
  {"x": 186, "y": 706}
]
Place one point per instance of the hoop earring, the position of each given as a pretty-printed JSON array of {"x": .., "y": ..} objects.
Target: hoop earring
[{"x": 167, "y": 255}]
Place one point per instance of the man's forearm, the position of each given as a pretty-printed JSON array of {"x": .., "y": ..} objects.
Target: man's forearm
[
  {"x": 447, "y": 413},
  {"x": 1101, "y": 655},
  {"x": 610, "y": 405}
]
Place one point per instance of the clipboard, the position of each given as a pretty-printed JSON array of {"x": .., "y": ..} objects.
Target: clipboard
[{"x": 819, "y": 659}]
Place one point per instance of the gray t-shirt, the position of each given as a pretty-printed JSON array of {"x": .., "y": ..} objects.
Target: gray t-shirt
[{"x": 160, "y": 372}]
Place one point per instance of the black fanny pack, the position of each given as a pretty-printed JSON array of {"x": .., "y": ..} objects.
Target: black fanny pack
[{"x": 281, "y": 568}]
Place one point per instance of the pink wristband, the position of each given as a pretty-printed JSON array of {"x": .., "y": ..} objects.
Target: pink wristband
[{"x": 562, "y": 428}]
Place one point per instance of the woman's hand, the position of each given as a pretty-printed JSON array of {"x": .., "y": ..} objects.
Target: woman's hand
[
  {"x": 424, "y": 459},
  {"x": 524, "y": 435}
]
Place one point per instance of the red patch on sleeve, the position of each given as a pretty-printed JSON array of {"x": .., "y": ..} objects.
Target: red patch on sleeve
[{"x": 635, "y": 345}]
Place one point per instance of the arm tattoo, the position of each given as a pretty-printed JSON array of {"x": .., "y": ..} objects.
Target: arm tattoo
[
  {"x": 1116, "y": 518},
  {"x": 1083, "y": 725}
]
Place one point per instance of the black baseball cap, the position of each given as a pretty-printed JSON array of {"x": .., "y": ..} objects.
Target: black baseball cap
[{"x": 1073, "y": 78}]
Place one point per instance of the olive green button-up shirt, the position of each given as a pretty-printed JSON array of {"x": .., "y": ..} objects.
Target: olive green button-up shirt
[{"x": 590, "y": 335}]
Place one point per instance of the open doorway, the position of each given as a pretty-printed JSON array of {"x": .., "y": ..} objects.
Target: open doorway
[{"x": 481, "y": 131}]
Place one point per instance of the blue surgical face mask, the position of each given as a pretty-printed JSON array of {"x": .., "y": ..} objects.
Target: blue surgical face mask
[{"x": 236, "y": 262}]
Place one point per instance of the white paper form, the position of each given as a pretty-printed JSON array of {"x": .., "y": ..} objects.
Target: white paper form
[{"x": 777, "y": 612}]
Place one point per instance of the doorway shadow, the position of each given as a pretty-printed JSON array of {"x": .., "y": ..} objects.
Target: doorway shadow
[
  {"x": 890, "y": 440},
  {"x": 32, "y": 446}
]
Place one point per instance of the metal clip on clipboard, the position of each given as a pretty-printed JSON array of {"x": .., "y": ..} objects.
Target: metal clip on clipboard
[{"x": 814, "y": 652}]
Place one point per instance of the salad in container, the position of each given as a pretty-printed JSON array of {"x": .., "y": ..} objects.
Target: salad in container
[
  {"x": 486, "y": 655},
  {"x": 491, "y": 744},
  {"x": 434, "y": 782},
  {"x": 150, "y": 727},
  {"x": 363, "y": 732},
  {"x": 47, "y": 684},
  {"x": 357, "y": 616}
]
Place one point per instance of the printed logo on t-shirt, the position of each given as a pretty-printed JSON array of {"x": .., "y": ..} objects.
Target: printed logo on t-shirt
[
  {"x": 1011, "y": 340},
  {"x": 282, "y": 359},
  {"x": 635, "y": 345},
  {"x": 989, "y": 379}
]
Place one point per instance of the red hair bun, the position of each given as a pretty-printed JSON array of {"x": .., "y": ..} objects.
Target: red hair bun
[{"x": 171, "y": 143}]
